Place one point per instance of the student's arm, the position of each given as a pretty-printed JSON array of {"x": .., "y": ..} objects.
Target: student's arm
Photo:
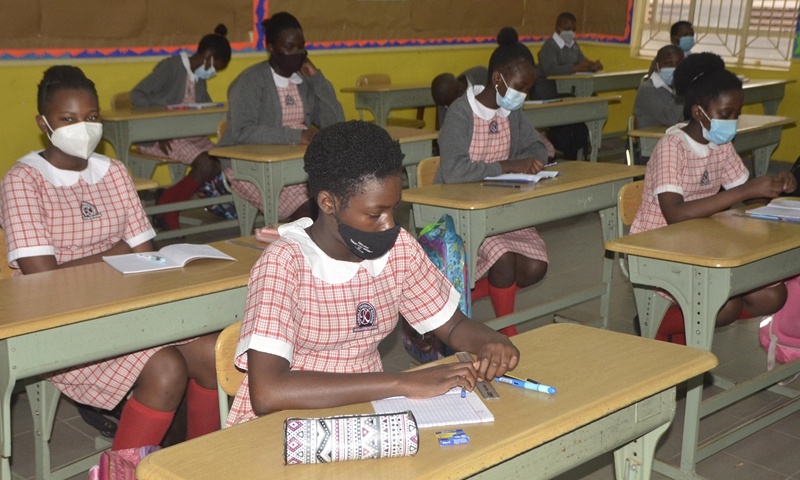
[
  {"x": 326, "y": 109},
  {"x": 549, "y": 60},
  {"x": 526, "y": 141},
  {"x": 650, "y": 102},
  {"x": 249, "y": 96},
  {"x": 153, "y": 86},
  {"x": 45, "y": 263}
]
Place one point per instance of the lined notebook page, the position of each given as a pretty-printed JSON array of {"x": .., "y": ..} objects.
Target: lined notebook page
[{"x": 441, "y": 411}]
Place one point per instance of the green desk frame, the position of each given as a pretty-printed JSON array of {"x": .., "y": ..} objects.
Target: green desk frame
[
  {"x": 586, "y": 85},
  {"x": 594, "y": 115},
  {"x": 381, "y": 103}
]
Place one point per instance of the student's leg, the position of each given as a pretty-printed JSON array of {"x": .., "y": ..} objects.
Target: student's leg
[
  {"x": 202, "y": 402},
  {"x": 204, "y": 168},
  {"x": 765, "y": 301},
  {"x": 156, "y": 394},
  {"x": 511, "y": 272}
]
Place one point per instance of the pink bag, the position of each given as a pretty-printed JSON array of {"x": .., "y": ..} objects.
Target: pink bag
[
  {"x": 120, "y": 464},
  {"x": 779, "y": 345}
]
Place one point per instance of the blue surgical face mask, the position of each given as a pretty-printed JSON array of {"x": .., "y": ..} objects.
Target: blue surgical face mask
[
  {"x": 513, "y": 99},
  {"x": 205, "y": 73},
  {"x": 666, "y": 74},
  {"x": 722, "y": 131},
  {"x": 686, "y": 43},
  {"x": 567, "y": 35}
]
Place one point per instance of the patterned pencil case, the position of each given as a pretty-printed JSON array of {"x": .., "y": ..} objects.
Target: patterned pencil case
[{"x": 351, "y": 437}]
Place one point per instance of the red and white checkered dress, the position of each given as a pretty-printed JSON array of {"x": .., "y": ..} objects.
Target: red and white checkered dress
[
  {"x": 681, "y": 165},
  {"x": 491, "y": 142},
  {"x": 184, "y": 150},
  {"x": 71, "y": 215},
  {"x": 292, "y": 196},
  {"x": 331, "y": 318}
]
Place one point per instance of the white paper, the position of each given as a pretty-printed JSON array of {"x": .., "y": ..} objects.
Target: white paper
[
  {"x": 441, "y": 411},
  {"x": 174, "y": 256},
  {"x": 523, "y": 177}
]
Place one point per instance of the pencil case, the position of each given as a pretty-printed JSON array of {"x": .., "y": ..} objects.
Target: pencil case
[{"x": 350, "y": 437}]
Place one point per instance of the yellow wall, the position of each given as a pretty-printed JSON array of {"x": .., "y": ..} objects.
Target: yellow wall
[{"x": 18, "y": 86}]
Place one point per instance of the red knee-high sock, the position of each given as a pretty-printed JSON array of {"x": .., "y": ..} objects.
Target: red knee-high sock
[
  {"x": 503, "y": 302},
  {"x": 744, "y": 314},
  {"x": 140, "y": 426},
  {"x": 179, "y": 192},
  {"x": 202, "y": 410},
  {"x": 481, "y": 289},
  {"x": 672, "y": 326}
]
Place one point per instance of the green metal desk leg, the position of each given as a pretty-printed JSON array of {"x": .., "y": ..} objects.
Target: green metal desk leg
[
  {"x": 595, "y": 137},
  {"x": 43, "y": 398},
  {"x": 7, "y": 380},
  {"x": 651, "y": 308},
  {"x": 471, "y": 225},
  {"x": 118, "y": 135},
  {"x": 635, "y": 460},
  {"x": 375, "y": 103},
  {"x": 761, "y": 157},
  {"x": 608, "y": 224}
]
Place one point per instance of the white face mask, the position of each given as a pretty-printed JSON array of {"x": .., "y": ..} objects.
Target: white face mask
[{"x": 78, "y": 139}]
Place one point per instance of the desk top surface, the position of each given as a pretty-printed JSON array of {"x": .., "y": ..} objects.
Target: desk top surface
[
  {"x": 747, "y": 124},
  {"x": 474, "y": 196},
  {"x": 570, "y": 101},
  {"x": 280, "y": 153},
  {"x": 563, "y": 355},
  {"x": 597, "y": 75},
  {"x": 763, "y": 82},
  {"x": 391, "y": 87},
  {"x": 61, "y": 297},
  {"x": 154, "y": 112},
  {"x": 725, "y": 240}
]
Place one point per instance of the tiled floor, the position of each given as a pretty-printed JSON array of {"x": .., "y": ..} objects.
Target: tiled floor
[{"x": 575, "y": 249}]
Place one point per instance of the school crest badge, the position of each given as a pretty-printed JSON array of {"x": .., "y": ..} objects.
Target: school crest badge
[
  {"x": 365, "y": 317},
  {"x": 89, "y": 211},
  {"x": 290, "y": 101},
  {"x": 493, "y": 128},
  {"x": 704, "y": 180}
]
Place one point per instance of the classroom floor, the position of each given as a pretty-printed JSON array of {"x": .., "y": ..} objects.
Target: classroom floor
[{"x": 575, "y": 249}]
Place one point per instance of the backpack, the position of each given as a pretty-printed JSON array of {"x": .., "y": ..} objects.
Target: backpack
[
  {"x": 120, "y": 464},
  {"x": 780, "y": 346},
  {"x": 445, "y": 249}
]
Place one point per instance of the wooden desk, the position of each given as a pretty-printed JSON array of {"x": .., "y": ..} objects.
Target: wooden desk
[
  {"x": 124, "y": 127},
  {"x": 585, "y": 84},
  {"x": 593, "y": 111},
  {"x": 272, "y": 167},
  {"x": 703, "y": 262},
  {"x": 144, "y": 184},
  {"x": 382, "y": 99},
  {"x": 480, "y": 212},
  {"x": 769, "y": 93},
  {"x": 631, "y": 398},
  {"x": 66, "y": 317},
  {"x": 759, "y": 134}
]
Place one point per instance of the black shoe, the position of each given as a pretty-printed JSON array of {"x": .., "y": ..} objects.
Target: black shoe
[{"x": 94, "y": 417}]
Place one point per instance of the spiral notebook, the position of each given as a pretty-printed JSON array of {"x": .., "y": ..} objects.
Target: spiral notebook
[{"x": 441, "y": 411}]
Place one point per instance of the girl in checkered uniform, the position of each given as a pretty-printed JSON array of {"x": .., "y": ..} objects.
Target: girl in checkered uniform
[
  {"x": 695, "y": 172},
  {"x": 485, "y": 134},
  {"x": 180, "y": 80},
  {"x": 277, "y": 102},
  {"x": 67, "y": 206},
  {"x": 322, "y": 297}
]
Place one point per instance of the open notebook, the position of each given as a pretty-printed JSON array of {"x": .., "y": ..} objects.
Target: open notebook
[
  {"x": 522, "y": 177},
  {"x": 169, "y": 257},
  {"x": 780, "y": 209},
  {"x": 441, "y": 411}
]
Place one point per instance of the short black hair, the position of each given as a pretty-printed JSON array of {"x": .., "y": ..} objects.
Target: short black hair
[
  {"x": 565, "y": 16},
  {"x": 509, "y": 53},
  {"x": 673, "y": 30},
  {"x": 343, "y": 156},
  {"x": 701, "y": 78},
  {"x": 275, "y": 24},
  {"x": 61, "y": 77},
  {"x": 216, "y": 42},
  {"x": 668, "y": 49}
]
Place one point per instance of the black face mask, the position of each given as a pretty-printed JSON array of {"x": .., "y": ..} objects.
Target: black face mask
[
  {"x": 368, "y": 245},
  {"x": 289, "y": 63}
]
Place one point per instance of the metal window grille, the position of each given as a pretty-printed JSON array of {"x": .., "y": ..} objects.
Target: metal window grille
[{"x": 746, "y": 33}]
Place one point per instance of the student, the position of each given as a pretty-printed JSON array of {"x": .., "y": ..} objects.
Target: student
[
  {"x": 561, "y": 55},
  {"x": 695, "y": 172},
  {"x": 322, "y": 297},
  {"x": 681, "y": 34},
  {"x": 66, "y": 206},
  {"x": 446, "y": 88},
  {"x": 179, "y": 80},
  {"x": 486, "y": 134},
  {"x": 277, "y": 102}
]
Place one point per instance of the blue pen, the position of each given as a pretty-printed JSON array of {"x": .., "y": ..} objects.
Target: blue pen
[
  {"x": 463, "y": 392},
  {"x": 538, "y": 387},
  {"x": 152, "y": 258}
]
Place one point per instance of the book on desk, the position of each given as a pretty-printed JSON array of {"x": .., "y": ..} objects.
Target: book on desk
[
  {"x": 781, "y": 209},
  {"x": 522, "y": 177},
  {"x": 169, "y": 257}
]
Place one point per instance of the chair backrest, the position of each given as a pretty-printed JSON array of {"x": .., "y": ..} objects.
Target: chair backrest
[
  {"x": 221, "y": 128},
  {"x": 628, "y": 202},
  {"x": 121, "y": 101},
  {"x": 5, "y": 270},
  {"x": 373, "y": 79},
  {"x": 228, "y": 376},
  {"x": 426, "y": 170}
]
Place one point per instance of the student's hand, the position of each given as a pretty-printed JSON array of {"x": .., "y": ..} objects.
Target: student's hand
[
  {"x": 163, "y": 145},
  {"x": 495, "y": 359},
  {"x": 584, "y": 65},
  {"x": 308, "y": 69},
  {"x": 789, "y": 182},
  {"x": 307, "y": 136},
  {"x": 597, "y": 66},
  {"x": 429, "y": 382},
  {"x": 527, "y": 165},
  {"x": 766, "y": 187}
]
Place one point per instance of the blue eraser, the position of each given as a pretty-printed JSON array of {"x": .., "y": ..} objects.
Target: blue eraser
[{"x": 452, "y": 437}]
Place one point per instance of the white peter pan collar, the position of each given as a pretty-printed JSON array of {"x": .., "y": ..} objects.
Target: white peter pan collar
[
  {"x": 659, "y": 82},
  {"x": 560, "y": 41},
  {"x": 697, "y": 148},
  {"x": 283, "y": 82},
  {"x": 189, "y": 72},
  {"x": 94, "y": 172},
  {"x": 482, "y": 110},
  {"x": 322, "y": 266}
]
